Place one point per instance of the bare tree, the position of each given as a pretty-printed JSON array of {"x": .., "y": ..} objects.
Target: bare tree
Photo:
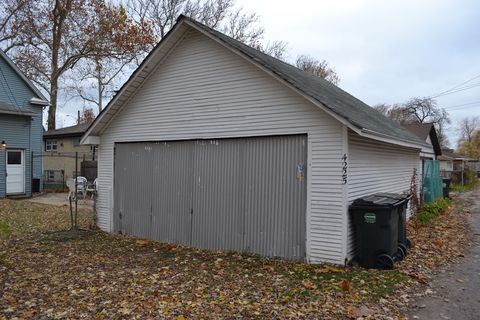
[
  {"x": 221, "y": 15},
  {"x": 467, "y": 127},
  {"x": 120, "y": 44},
  {"x": 52, "y": 38},
  {"x": 319, "y": 68},
  {"x": 383, "y": 108},
  {"x": 10, "y": 16},
  {"x": 471, "y": 148},
  {"x": 421, "y": 110}
]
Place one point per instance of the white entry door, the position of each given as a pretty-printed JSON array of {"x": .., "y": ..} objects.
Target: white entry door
[{"x": 15, "y": 171}]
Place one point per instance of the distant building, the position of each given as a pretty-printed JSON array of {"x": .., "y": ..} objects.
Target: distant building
[
  {"x": 21, "y": 108},
  {"x": 61, "y": 146}
]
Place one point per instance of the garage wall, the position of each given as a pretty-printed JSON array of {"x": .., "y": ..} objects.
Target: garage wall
[
  {"x": 377, "y": 167},
  {"x": 203, "y": 91}
]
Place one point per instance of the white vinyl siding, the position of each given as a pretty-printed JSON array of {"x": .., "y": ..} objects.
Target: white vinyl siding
[
  {"x": 205, "y": 91},
  {"x": 377, "y": 167}
]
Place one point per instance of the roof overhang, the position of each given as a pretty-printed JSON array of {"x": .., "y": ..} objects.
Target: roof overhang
[
  {"x": 18, "y": 113},
  {"x": 39, "y": 102}
]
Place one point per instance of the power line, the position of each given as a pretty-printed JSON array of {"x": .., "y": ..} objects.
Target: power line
[
  {"x": 457, "y": 90},
  {"x": 463, "y": 104},
  {"x": 455, "y": 87}
]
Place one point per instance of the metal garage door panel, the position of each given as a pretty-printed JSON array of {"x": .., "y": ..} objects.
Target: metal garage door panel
[
  {"x": 217, "y": 212},
  {"x": 275, "y": 196},
  {"x": 132, "y": 212},
  {"x": 246, "y": 194},
  {"x": 171, "y": 172}
]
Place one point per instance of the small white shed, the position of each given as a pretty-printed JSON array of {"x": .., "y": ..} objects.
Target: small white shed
[{"x": 213, "y": 144}]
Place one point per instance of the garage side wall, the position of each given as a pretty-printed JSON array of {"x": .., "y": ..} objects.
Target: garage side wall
[
  {"x": 377, "y": 167},
  {"x": 204, "y": 91}
]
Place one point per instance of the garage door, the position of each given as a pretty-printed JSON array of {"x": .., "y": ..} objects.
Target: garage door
[{"x": 246, "y": 195}]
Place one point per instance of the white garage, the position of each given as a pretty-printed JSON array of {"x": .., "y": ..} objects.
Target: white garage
[{"x": 216, "y": 145}]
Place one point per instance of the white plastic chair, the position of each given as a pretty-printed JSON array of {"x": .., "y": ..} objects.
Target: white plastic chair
[
  {"x": 81, "y": 186},
  {"x": 92, "y": 188}
]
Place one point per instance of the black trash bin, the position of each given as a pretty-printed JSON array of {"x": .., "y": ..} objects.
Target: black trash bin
[
  {"x": 35, "y": 185},
  {"x": 401, "y": 207},
  {"x": 376, "y": 223},
  {"x": 446, "y": 187}
]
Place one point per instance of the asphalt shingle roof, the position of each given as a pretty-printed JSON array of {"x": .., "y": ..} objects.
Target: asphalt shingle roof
[
  {"x": 78, "y": 129},
  {"x": 332, "y": 97}
]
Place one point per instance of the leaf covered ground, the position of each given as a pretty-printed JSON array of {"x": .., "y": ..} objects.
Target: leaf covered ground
[{"x": 47, "y": 272}]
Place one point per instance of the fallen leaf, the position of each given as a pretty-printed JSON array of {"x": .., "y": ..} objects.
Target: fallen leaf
[
  {"x": 439, "y": 243},
  {"x": 142, "y": 243},
  {"x": 345, "y": 285},
  {"x": 308, "y": 284}
]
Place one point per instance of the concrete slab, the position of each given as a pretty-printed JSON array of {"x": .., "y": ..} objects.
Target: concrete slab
[{"x": 61, "y": 199}]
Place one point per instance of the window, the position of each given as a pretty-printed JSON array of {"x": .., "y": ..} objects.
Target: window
[
  {"x": 51, "y": 145},
  {"x": 14, "y": 157},
  {"x": 76, "y": 142},
  {"x": 50, "y": 175}
]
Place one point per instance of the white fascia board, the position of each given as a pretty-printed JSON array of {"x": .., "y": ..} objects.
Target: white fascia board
[
  {"x": 385, "y": 138},
  {"x": 39, "y": 102},
  {"x": 90, "y": 140}
]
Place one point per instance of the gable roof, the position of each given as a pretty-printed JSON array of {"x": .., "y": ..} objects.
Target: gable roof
[
  {"x": 43, "y": 100},
  {"x": 76, "y": 130},
  {"x": 424, "y": 130},
  {"x": 357, "y": 115}
]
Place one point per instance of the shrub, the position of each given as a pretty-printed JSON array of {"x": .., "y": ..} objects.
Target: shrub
[{"x": 432, "y": 210}]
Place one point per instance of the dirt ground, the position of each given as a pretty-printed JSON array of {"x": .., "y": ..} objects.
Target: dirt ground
[
  {"x": 48, "y": 272},
  {"x": 453, "y": 292}
]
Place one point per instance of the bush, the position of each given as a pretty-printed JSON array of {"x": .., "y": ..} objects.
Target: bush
[{"x": 432, "y": 210}]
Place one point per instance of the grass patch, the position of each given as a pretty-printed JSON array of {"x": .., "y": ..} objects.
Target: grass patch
[
  {"x": 432, "y": 210},
  {"x": 4, "y": 229},
  {"x": 457, "y": 187},
  {"x": 378, "y": 283}
]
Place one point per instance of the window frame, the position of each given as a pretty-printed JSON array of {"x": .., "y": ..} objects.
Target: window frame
[{"x": 51, "y": 145}]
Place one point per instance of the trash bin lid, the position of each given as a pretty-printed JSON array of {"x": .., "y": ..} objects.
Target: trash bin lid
[
  {"x": 376, "y": 201},
  {"x": 396, "y": 196}
]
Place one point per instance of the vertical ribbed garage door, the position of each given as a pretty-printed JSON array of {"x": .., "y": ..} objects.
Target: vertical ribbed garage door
[{"x": 245, "y": 195}]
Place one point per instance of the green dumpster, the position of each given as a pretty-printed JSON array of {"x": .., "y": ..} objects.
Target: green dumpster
[{"x": 376, "y": 223}]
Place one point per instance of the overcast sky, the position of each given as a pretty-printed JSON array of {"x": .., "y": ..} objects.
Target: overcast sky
[{"x": 383, "y": 51}]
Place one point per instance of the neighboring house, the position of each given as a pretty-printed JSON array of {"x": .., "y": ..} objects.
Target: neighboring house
[
  {"x": 61, "y": 148},
  {"x": 21, "y": 108},
  {"x": 213, "y": 144},
  {"x": 453, "y": 165},
  {"x": 427, "y": 133},
  {"x": 429, "y": 171}
]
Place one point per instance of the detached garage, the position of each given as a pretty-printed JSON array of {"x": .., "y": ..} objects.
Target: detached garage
[{"x": 216, "y": 145}]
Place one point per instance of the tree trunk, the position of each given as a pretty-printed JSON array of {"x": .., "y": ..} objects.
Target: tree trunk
[
  {"x": 52, "y": 110},
  {"x": 100, "y": 86}
]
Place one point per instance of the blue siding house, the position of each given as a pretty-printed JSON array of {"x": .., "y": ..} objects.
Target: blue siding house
[{"x": 21, "y": 130}]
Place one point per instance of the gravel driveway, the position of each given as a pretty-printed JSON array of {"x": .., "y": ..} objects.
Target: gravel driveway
[{"x": 453, "y": 294}]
